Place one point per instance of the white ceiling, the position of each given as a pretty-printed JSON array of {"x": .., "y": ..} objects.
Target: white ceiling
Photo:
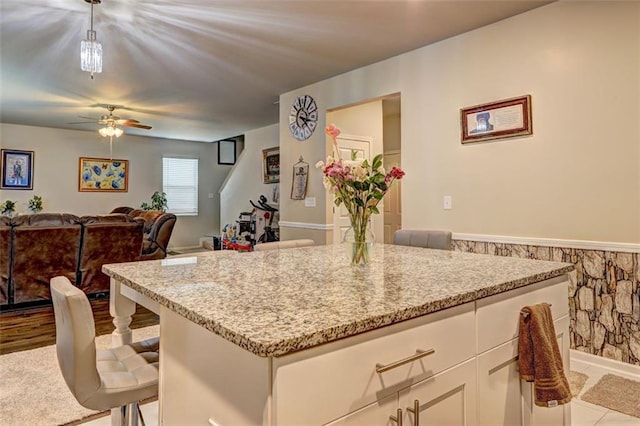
[{"x": 205, "y": 70}]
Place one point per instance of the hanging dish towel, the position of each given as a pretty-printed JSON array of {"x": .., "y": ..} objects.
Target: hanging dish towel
[{"x": 539, "y": 356}]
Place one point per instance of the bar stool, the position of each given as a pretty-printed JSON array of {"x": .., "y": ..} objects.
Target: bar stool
[
  {"x": 100, "y": 379},
  {"x": 435, "y": 239}
]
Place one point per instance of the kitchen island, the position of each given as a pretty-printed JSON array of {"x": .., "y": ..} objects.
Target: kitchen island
[{"x": 299, "y": 336}]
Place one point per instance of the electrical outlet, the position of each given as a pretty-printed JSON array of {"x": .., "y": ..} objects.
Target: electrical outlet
[{"x": 447, "y": 202}]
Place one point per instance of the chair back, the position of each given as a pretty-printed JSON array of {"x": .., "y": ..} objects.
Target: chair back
[
  {"x": 75, "y": 338},
  {"x": 434, "y": 239}
]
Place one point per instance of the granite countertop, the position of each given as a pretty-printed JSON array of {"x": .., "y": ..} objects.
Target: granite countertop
[{"x": 275, "y": 302}]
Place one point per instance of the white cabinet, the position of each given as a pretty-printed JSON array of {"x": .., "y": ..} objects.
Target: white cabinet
[
  {"x": 446, "y": 399},
  {"x": 468, "y": 376},
  {"x": 325, "y": 383},
  {"x": 503, "y": 398}
]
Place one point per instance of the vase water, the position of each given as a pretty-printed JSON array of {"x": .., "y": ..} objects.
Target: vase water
[{"x": 358, "y": 242}]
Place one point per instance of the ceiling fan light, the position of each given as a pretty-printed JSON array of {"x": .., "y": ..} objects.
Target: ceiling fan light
[
  {"x": 104, "y": 131},
  {"x": 118, "y": 132}
]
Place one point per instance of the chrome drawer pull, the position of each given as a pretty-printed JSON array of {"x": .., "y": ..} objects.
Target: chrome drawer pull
[
  {"x": 397, "y": 418},
  {"x": 380, "y": 368},
  {"x": 416, "y": 412}
]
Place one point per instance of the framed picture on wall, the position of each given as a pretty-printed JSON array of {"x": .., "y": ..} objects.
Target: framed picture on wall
[
  {"x": 227, "y": 152},
  {"x": 271, "y": 165},
  {"x": 496, "y": 120},
  {"x": 103, "y": 175},
  {"x": 17, "y": 169}
]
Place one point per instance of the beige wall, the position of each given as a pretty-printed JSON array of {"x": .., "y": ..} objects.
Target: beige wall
[
  {"x": 57, "y": 154},
  {"x": 245, "y": 182},
  {"x": 576, "y": 178}
]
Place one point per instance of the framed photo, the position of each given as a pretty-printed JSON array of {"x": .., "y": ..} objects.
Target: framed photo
[
  {"x": 496, "y": 120},
  {"x": 17, "y": 169},
  {"x": 300, "y": 180},
  {"x": 227, "y": 152},
  {"x": 271, "y": 165},
  {"x": 103, "y": 175}
]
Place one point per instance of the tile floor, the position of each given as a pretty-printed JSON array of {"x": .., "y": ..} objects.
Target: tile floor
[
  {"x": 582, "y": 413},
  {"x": 586, "y": 414}
]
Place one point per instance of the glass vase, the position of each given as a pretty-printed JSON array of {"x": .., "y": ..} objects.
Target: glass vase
[{"x": 358, "y": 242}]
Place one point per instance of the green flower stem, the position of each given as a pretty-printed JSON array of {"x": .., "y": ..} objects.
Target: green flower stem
[{"x": 359, "y": 247}]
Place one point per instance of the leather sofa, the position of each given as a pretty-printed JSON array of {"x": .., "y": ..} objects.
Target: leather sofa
[
  {"x": 158, "y": 227},
  {"x": 34, "y": 248}
]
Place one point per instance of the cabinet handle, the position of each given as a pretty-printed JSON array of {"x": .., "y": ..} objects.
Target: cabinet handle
[
  {"x": 398, "y": 417},
  {"x": 416, "y": 412},
  {"x": 380, "y": 368}
]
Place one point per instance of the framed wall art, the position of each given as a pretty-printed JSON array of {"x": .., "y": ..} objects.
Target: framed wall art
[
  {"x": 17, "y": 169},
  {"x": 300, "y": 180},
  {"x": 496, "y": 120},
  {"x": 227, "y": 152},
  {"x": 271, "y": 165},
  {"x": 103, "y": 175}
]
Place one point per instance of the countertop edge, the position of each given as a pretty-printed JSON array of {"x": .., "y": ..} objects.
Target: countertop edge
[{"x": 286, "y": 346}]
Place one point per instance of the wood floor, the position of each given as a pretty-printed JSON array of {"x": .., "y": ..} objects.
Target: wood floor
[{"x": 35, "y": 327}]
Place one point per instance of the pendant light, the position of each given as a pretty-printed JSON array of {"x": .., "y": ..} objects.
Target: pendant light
[{"x": 91, "y": 49}]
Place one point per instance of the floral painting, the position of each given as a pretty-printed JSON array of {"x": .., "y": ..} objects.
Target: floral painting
[{"x": 103, "y": 175}]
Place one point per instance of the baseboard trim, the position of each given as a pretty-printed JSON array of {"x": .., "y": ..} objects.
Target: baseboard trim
[
  {"x": 610, "y": 364},
  {"x": 303, "y": 225},
  {"x": 550, "y": 242}
]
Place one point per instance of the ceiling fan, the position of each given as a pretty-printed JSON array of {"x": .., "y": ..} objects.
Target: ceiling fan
[{"x": 111, "y": 123}]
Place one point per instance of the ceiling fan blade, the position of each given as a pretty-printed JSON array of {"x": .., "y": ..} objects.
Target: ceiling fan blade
[
  {"x": 89, "y": 118},
  {"x": 139, "y": 126},
  {"x": 127, "y": 120},
  {"x": 82, "y": 122}
]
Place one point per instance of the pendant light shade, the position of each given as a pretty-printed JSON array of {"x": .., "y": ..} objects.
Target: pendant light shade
[{"x": 91, "y": 49}]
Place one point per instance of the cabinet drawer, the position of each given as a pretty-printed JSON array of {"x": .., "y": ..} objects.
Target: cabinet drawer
[
  {"x": 321, "y": 384},
  {"x": 498, "y": 316}
]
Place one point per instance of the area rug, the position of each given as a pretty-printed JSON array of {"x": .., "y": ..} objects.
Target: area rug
[
  {"x": 33, "y": 391},
  {"x": 576, "y": 382},
  {"x": 615, "y": 393}
]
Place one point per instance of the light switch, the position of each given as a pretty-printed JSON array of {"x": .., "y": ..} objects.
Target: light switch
[
  {"x": 211, "y": 195},
  {"x": 447, "y": 202},
  {"x": 310, "y": 202}
]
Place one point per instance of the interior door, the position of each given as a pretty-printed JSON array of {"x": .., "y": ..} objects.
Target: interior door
[
  {"x": 392, "y": 202},
  {"x": 362, "y": 147}
]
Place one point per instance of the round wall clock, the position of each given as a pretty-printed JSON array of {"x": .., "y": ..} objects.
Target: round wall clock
[{"x": 303, "y": 117}]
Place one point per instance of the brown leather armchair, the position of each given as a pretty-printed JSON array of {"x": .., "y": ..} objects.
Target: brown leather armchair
[
  {"x": 158, "y": 226},
  {"x": 111, "y": 238}
]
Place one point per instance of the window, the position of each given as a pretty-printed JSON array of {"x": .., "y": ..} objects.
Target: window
[{"x": 180, "y": 183}]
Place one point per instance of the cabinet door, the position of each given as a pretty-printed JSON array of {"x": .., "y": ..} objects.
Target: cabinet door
[
  {"x": 504, "y": 399},
  {"x": 376, "y": 413},
  {"x": 499, "y": 399},
  {"x": 448, "y": 398}
]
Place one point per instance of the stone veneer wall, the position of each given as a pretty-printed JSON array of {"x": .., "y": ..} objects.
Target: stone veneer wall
[{"x": 604, "y": 295}]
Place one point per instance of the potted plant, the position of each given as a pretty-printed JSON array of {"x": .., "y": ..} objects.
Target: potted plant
[
  {"x": 158, "y": 202},
  {"x": 35, "y": 204},
  {"x": 8, "y": 208}
]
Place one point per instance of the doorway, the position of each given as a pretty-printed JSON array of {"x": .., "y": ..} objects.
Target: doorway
[{"x": 377, "y": 121}]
